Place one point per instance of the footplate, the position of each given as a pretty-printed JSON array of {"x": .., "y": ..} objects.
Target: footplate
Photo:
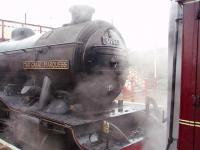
[{"x": 114, "y": 128}]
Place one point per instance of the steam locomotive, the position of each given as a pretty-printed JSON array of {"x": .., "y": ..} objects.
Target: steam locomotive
[{"x": 58, "y": 88}]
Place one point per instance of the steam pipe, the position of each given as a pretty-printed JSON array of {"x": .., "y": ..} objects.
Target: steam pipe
[{"x": 121, "y": 133}]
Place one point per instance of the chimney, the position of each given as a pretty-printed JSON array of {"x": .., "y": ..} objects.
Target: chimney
[{"x": 81, "y": 13}]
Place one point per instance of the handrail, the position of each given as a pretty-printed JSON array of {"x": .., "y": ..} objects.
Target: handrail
[{"x": 5, "y": 34}]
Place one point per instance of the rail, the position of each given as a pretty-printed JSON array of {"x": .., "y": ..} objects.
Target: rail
[{"x": 6, "y": 146}]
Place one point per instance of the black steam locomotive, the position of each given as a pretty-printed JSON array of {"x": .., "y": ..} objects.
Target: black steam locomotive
[{"x": 58, "y": 88}]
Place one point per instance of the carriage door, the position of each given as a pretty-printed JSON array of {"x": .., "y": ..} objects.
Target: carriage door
[
  {"x": 189, "y": 124},
  {"x": 197, "y": 97}
]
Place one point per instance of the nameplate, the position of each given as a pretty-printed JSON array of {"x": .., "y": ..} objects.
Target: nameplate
[{"x": 47, "y": 64}]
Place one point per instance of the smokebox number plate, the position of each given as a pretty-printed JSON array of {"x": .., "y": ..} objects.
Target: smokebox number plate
[{"x": 47, "y": 64}]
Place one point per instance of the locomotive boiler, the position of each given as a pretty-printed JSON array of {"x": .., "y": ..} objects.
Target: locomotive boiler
[
  {"x": 81, "y": 51},
  {"x": 64, "y": 82}
]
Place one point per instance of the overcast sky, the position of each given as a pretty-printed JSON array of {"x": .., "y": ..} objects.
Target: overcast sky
[{"x": 143, "y": 23}]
